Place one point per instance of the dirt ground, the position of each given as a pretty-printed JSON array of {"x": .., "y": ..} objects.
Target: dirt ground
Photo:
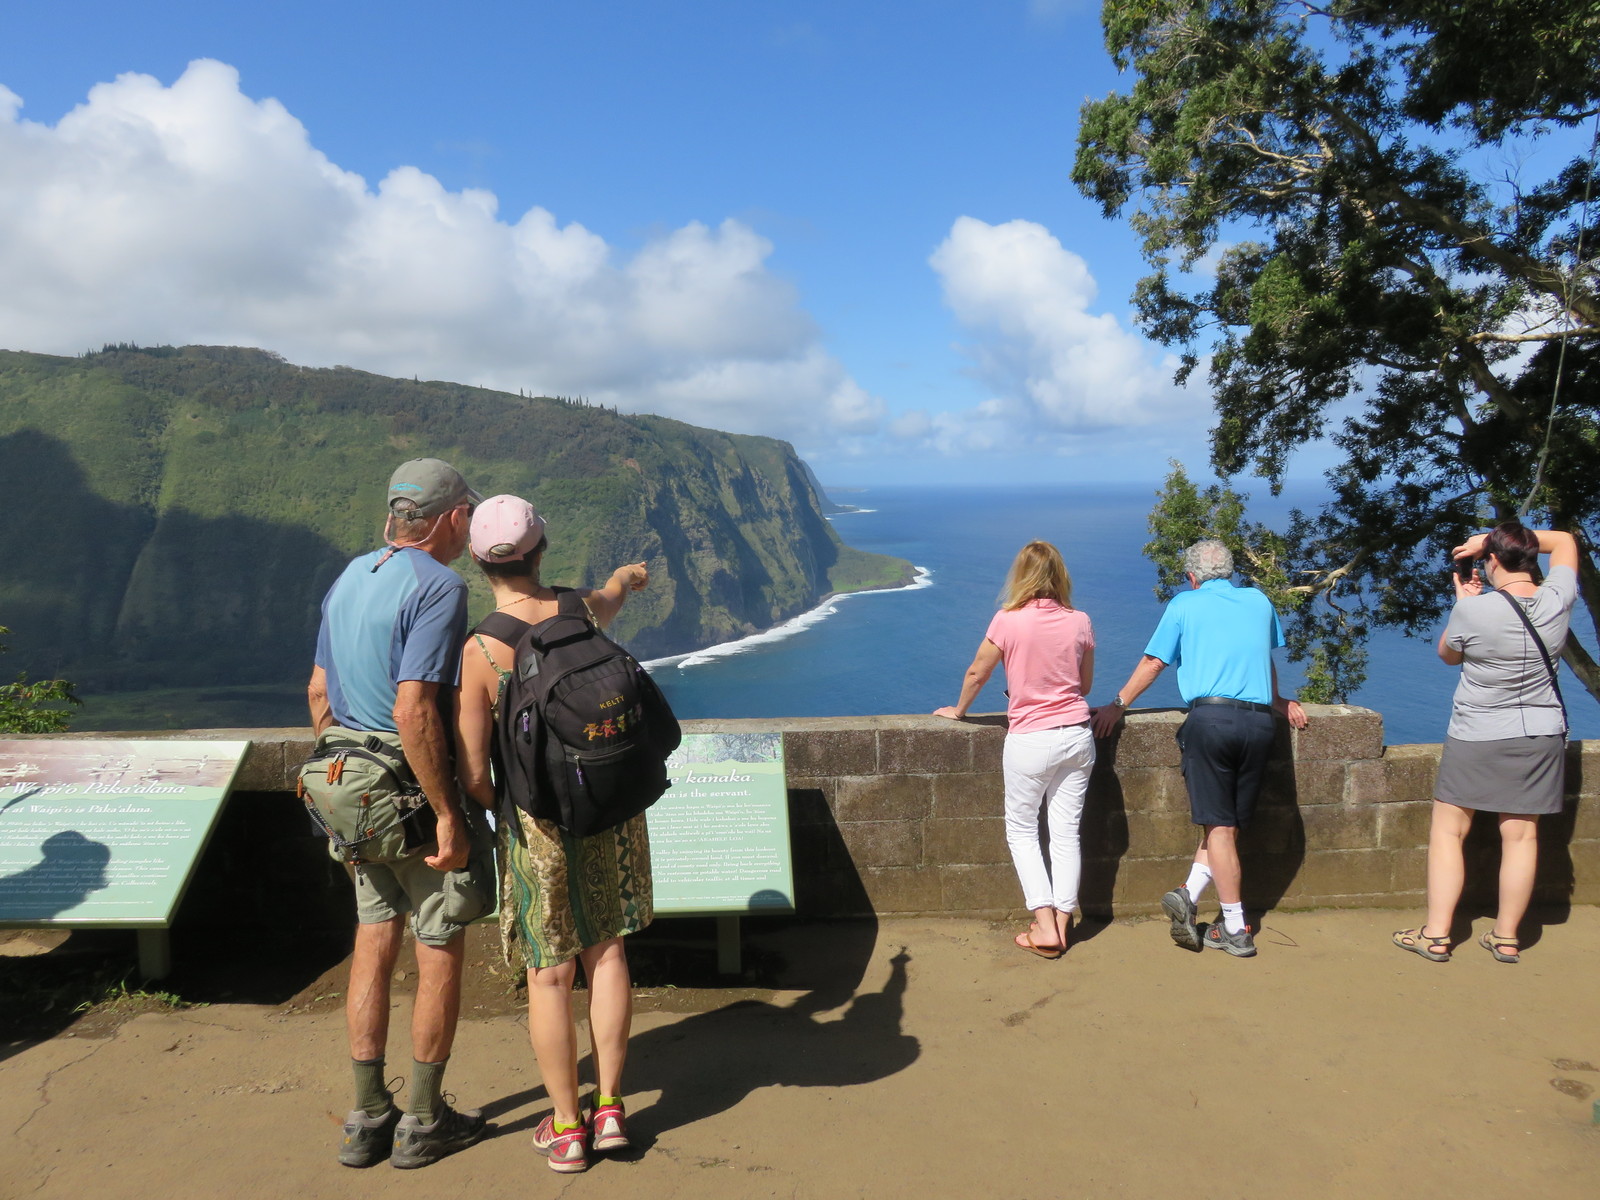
[{"x": 919, "y": 1058}]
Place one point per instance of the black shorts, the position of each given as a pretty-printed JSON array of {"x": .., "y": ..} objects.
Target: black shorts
[{"x": 1225, "y": 752}]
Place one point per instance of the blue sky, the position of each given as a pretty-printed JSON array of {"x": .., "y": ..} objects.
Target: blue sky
[{"x": 850, "y": 225}]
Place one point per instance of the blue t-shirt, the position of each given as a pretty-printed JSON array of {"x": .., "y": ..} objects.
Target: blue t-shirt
[
  {"x": 406, "y": 620},
  {"x": 1221, "y": 639}
]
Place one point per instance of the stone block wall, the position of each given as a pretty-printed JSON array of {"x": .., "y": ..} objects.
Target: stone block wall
[{"x": 901, "y": 815}]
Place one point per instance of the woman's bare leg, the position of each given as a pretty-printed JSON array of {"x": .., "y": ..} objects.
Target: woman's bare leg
[
  {"x": 610, "y": 1011},
  {"x": 1063, "y": 926},
  {"x": 1519, "y": 860},
  {"x": 554, "y": 1038},
  {"x": 1447, "y": 869}
]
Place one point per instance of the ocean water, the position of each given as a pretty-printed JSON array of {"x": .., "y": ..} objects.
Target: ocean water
[{"x": 905, "y": 651}]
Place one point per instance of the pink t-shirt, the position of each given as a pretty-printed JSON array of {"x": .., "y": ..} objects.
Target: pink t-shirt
[{"x": 1042, "y": 646}]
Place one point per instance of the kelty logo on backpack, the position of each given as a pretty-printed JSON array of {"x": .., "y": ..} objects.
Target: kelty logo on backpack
[
  {"x": 584, "y": 732},
  {"x": 613, "y": 726}
]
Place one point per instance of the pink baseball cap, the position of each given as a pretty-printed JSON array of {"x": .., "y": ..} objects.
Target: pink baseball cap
[{"x": 504, "y": 529}]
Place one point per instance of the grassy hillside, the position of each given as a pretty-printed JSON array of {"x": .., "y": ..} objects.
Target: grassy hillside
[{"x": 194, "y": 504}]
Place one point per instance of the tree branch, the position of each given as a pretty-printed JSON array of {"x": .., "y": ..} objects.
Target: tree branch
[
  {"x": 1326, "y": 580},
  {"x": 1587, "y": 331},
  {"x": 1538, "y": 275}
]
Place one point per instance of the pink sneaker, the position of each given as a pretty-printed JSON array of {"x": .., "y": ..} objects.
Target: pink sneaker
[
  {"x": 608, "y": 1128},
  {"x": 568, "y": 1151}
]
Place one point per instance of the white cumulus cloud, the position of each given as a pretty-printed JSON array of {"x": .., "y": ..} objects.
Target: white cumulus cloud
[
  {"x": 195, "y": 213},
  {"x": 1051, "y": 364}
]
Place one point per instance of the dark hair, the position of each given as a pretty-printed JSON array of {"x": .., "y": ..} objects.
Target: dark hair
[
  {"x": 526, "y": 567},
  {"x": 1514, "y": 544}
]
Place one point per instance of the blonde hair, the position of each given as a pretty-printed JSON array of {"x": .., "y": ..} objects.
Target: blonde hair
[{"x": 1037, "y": 574}]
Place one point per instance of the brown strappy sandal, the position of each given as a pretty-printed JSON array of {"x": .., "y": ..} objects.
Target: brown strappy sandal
[{"x": 1024, "y": 941}]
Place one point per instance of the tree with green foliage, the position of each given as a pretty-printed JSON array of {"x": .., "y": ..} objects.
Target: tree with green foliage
[
  {"x": 42, "y": 706},
  {"x": 1389, "y": 274},
  {"x": 1328, "y": 637}
]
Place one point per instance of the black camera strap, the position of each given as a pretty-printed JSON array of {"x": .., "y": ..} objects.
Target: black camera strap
[{"x": 1544, "y": 654}]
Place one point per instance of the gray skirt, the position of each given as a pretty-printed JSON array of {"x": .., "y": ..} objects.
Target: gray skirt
[{"x": 1521, "y": 775}]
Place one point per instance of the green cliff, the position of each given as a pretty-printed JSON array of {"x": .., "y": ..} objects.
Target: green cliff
[{"x": 178, "y": 513}]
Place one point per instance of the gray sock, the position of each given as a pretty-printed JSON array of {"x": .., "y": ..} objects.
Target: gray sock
[
  {"x": 372, "y": 1097},
  {"x": 426, "y": 1080}
]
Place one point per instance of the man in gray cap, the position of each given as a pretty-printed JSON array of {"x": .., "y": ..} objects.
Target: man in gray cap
[{"x": 388, "y": 652}]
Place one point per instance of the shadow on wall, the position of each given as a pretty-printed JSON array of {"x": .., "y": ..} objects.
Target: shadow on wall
[
  {"x": 72, "y": 866},
  {"x": 1104, "y": 836},
  {"x": 120, "y": 596},
  {"x": 241, "y": 934},
  {"x": 1272, "y": 850}
]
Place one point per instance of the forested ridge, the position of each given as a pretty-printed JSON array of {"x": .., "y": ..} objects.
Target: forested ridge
[{"x": 183, "y": 510}]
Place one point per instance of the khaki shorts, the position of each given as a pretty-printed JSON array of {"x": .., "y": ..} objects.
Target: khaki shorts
[{"x": 434, "y": 899}]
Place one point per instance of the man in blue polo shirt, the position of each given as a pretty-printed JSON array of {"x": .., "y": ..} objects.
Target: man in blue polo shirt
[
  {"x": 388, "y": 661},
  {"x": 1221, "y": 639}
]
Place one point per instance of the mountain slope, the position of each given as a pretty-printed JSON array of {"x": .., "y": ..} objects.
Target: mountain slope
[{"x": 184, "y": 510}]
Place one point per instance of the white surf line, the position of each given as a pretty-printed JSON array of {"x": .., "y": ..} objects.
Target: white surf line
[
  {"x": 850, "y": 512},
  {"x": 794, "y": 625}
]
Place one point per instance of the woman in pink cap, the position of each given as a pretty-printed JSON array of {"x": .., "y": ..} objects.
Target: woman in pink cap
[
  {"x": 1047, "y": 647},
  {"x": 563, "y": 899}
]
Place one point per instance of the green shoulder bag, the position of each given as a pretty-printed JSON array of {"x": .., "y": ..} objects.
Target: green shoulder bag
[{"x": 362, "y": 794}]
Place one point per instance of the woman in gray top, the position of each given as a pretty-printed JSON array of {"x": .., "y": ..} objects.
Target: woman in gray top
[{"x": 1506, "y": 746}]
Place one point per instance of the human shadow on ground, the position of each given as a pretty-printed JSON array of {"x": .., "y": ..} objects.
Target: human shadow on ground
[{"x": 706, "y": 1063}]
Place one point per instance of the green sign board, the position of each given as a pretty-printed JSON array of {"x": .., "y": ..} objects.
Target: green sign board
[
  {"x": 106, "y": 833},
  {"x": 719, "y": 838}
]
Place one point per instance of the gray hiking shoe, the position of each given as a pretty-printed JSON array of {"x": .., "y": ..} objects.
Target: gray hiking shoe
[
  {"x": 1180, "y": 909},
  {"x": 1240, "y": 945},
  {"x": 368, "y": 1140},
  {"x": 417, "y": 1145}
]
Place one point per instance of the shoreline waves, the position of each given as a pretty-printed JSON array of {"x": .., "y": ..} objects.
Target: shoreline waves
[{"x": 824, "y": 609}]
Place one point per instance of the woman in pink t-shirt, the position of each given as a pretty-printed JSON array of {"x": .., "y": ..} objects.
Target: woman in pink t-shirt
[{"x": 1047, "y": 647}]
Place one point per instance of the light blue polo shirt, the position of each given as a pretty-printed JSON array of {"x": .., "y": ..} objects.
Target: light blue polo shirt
[
  {"x": 406, "y": 620},
  {"x": 1221, "y": 639}
]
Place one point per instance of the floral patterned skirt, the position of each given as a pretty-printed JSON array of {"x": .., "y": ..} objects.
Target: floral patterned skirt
[{"x": 561, "y": 894}]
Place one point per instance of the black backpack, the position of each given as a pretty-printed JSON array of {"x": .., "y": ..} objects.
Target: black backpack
[{"x": 583, "y": 733}]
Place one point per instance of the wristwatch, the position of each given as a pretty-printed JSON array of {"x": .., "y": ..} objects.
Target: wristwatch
[{"x": 1118, "y": 702}]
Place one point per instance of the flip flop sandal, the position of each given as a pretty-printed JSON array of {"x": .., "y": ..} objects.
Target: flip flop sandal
[
  {"x": 1497, "y": 945},
  {"x": 1024, "y": 941},
  {"x": 1423, "y": 944}
]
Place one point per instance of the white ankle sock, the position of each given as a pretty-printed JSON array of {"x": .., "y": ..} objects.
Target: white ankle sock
[
  {"x": 1233, "y": 917},
  {"x": 1199, "y": 877}
]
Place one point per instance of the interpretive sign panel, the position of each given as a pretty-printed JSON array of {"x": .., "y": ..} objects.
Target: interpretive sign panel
[
  {"x": 106, "y": 833},
  {"x": 719, "y": 838}
]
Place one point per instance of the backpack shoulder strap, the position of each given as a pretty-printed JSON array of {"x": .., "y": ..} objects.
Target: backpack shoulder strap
[
  {"x": 503, "y": 627},
  {"x": 570, "y": 604}
]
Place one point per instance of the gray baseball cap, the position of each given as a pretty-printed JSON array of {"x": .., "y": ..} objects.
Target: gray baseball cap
[{"x": 425, "y": 487}]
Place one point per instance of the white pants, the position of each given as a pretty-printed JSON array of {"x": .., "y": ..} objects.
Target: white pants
[{"x": 1053, "y": 764}]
